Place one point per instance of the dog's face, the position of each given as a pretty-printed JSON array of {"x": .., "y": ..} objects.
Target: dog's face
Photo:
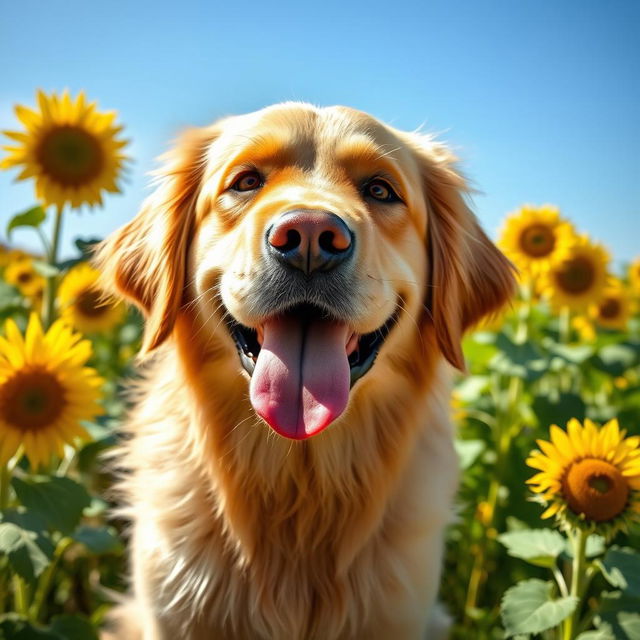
[{"x": 316, "y": 240}]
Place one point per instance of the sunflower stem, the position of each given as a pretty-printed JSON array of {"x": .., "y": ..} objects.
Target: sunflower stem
[
  {"x": 503, "y": 430},
  {"x": 579, "y": 543},
  {"x": 5, "y": 480},
  {"x": 52, "y": 259},
  {"x": 44, "y": 583},
  {"x": 20, "y": 595},
  {"x": 562, "y": 584},
  {"x": 565, "y": 325},
  {"x": 45, "y": 242},
  {"x": 504, "y": 434}
]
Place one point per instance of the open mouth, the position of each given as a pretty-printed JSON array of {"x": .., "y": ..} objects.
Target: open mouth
[
  {"x": 302, "y": 364},
  {"x": 361, "y": 349}
]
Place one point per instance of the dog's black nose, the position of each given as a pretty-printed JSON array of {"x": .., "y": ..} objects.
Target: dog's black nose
[{"x": 310, "y": 240}]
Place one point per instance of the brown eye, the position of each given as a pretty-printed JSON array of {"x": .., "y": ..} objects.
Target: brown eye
[
  {"x": 247, "y": 181},
  {"x": 380, "y": 190}
]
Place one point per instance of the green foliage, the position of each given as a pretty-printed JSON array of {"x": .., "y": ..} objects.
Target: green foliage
[
  {"x": 28, "y": 552},
  {"x": 621, "y": 568},
  {"x": 540, "y": 547},
  {"x": 529, "y": 607},
  {"x": 58, "y": 500},
  {"x": 99, "y": 540},
  {"x": 33, "y": 217},
  {"x": 65, "y": 627},
  {"x": 620, "y": 613}
]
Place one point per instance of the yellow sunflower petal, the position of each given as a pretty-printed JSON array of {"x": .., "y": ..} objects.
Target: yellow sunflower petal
[
  {"x": 589, "y": 474},
  {"x": 54, "y": 373},
  {"x": 9, "y": 444},
  {"x": 551, "y": 511},
  {"x": 77, "y": 150}
]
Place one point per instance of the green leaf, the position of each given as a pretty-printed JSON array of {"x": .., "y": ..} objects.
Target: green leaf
[
  {"x": 87, "y": 247},
  {"x": 540, "y": 547},
  {"x": 615, "y": 359},
  {"x": 9, "y": 296},
  {"x": 33, "y": 217},
  {"x": 45, "y": 269},
  {"x": 24, "y": 519},
  {"x": 621, "y": 568},
  {"x": 630, "y": 624},
  {"x": 595, "y": 546},
  {"x": 24, "y": 550},
  {"x": 468, "y": 451},
  {"x": 576, "y": 354},
  {"x": 520, "y": 360},
  {"x": 89, "y": 453},
  {"x": 603, "y": 632},
  {"x": 471, "y": 388},
  {"x": 478, "y": 352},
  {"x": 528, "y": 608},
  {"x": 59, "y": 501},
  {"x": 99, "y": 540},
  {"x": 13, "y": 627},
  {"x": 621, "y": 612},
  {"x": 74, "y": 628},
  {"x": 560, "y": 411}
]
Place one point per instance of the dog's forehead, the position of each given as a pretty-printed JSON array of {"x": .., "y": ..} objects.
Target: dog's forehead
[{"x": 303, "y": 129}]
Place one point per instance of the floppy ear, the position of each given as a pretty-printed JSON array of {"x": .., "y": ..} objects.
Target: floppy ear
[
  {"x": 468, "y": 276},
  {"x": 145, "y": 260}
]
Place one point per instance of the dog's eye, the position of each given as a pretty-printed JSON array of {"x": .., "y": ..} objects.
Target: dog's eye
[
  {"x": 247, "y": 181},
  {"x": 380, "y": 190}
]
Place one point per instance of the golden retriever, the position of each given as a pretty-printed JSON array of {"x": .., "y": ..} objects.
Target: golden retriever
[{"x": 306, "y": 276}]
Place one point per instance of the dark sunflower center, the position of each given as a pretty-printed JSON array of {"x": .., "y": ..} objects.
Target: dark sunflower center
[
  {"x": 25, "y": 277},
  {"x": 576, "y": 275},
  {"x": 91, "y": 304},
  {"x": 537, "y": 240},
  {"x": 610, "y": 309},
  {"x": 70, "y": 156},
  {"x": 595, "y": 488},
  {"x": 32, "y": 399}
]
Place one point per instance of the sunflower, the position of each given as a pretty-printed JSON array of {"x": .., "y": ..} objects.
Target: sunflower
[
  {"x": 588, "y": 476},
  {"x": 22, "y": 275},
  {"x": 613, "y": 311},
  {"x": 69, "y": 147},
  {"x": 533, "y": 237},
  {"x": 579, "y": 279},
  {"x": 634, "y": 275},
  {"x": 45, "y": 390},
  {"x": 84, "y": 305},
  {"x": 583, "y": 325},
  {"x": 7, "y": 255}
]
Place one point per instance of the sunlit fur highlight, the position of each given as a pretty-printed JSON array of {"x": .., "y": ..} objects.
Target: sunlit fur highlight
[{"x": 236, "y": 532}]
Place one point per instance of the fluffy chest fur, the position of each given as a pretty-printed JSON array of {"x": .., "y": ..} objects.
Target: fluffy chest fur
[{"x": 241, "y": 532}]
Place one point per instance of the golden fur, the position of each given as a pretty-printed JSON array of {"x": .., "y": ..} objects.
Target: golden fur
[{"x": 240, "y": 533}]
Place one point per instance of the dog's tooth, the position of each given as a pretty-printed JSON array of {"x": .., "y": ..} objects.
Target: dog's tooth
[{"x": 352, "y": 343}]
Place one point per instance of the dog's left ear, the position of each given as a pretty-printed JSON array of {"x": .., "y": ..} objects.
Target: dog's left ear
[
  {"x": 468, "y": 276},
  {"x": 145, "y": 261}
]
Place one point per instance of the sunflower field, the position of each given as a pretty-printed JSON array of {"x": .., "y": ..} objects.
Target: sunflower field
[{"x": 545, "y": 539}]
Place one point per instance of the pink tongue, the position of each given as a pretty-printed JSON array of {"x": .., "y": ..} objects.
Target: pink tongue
[{"x": 300, "y": 384}]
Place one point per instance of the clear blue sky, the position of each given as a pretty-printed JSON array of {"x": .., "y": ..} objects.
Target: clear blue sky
[{"x": 541, "y": 99}]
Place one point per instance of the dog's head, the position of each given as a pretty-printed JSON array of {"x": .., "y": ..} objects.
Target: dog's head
[{"x": 311, "y": 239}]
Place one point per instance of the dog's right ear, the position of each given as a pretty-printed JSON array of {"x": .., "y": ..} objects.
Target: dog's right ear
[{"x": 145, "y": 260}]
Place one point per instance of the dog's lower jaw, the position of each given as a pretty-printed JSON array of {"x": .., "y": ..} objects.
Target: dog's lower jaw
[{"x": 304, "y": 539}]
